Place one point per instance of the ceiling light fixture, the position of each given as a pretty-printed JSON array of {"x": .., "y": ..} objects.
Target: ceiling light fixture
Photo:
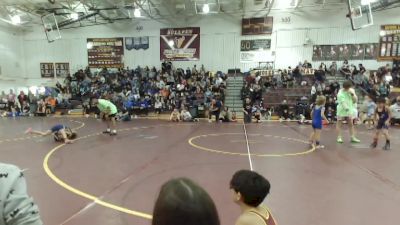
[
  {"x": 206, "y": 8},
  {"x": 137, "y": 13},
  {"x": 367, "y": 2},
  {"x": 74, "y": 16},
  {"x": 16, "y": 19}
]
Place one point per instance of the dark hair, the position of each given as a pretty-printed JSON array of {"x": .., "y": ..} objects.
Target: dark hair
[
  {"x": 347, "y": 84},
  {"x": 252, "y": 187},
  {"x": 73, "y": 136},
  {"x": 182, "y": 202},
  {"x": 382, "y": 100}
]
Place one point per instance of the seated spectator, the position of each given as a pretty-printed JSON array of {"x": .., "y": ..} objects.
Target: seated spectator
[
  {"x": 345, "y": 69},
  {"x": 284, "y": 111},
  {"x": 186, "y": 116},
  {"x": 333, "y": 69},
  {"x": 226, "y": 115},
  {"x": 17, "y": 207},
  {"x": 183, "y": 202},
  {"x": 395, "y": 109},
  {"x": 158, "y": 106},
  {"x": 175, "y": 116},
  {"x": 249, "y": 191}
]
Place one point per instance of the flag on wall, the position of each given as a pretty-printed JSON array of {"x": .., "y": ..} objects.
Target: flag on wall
[
  {"x": 136, "y": 43},
  {"x": 180, "y": 44}
]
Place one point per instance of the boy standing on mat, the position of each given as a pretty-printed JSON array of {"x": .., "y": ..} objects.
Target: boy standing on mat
[
  {"x": 318, "y": 114},
  {"x": 382, "y": 117},
  {"x": 108, "y": 111},
  {"x": 346, "y": 110},
  {"x": 60, "y": 132},
  {"x": 249, "y": 191}
]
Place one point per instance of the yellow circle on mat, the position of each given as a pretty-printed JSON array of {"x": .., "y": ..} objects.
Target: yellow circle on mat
[
  {"x": 83, "y": 194},
  {"x": 191, "y": 142}
]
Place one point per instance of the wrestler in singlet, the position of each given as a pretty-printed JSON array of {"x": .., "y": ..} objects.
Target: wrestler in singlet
[{"x": 264, "y": 215}]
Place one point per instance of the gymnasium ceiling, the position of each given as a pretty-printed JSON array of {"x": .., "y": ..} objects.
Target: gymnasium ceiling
[{"x": 92, "y": 12}]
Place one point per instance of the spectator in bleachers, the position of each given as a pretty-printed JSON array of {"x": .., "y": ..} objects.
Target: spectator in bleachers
[
  {"x": 11, "y": 100},
  {"x": 175, "y": 115},
  {"x": 183, "y": 202},
  {"x": 284, "y": 111}
]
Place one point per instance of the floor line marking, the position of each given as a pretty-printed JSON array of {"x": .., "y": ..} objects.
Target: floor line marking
[
  {"x": 248, "y": 147},
  {"x": 191, "y": 142},
  {"x": 96, "y": 200}
]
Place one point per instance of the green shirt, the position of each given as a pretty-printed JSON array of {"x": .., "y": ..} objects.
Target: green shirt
[
  {"x": 107, "y": 107},
  {"x": 346, "y": 106}
]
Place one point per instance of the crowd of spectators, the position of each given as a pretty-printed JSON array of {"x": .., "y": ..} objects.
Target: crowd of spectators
[
  {"x": 376, "y": 84},
  {"x": 133, "y": 91}
]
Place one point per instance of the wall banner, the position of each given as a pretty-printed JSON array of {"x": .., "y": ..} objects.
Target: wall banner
[
  {"x": 136, "y": 43},
  {"x": 180, "y": 44},
  {"x": 389, "y": 44},
  {"x": 367, "y": 51},
  {"x": 105, "y": 52},
  {"x": 47, "y": 70}
]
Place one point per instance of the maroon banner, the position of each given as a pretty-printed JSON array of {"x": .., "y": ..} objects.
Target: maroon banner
[
  {"x": 105, "y": 52},
  {"x": 180, "y": 44}
]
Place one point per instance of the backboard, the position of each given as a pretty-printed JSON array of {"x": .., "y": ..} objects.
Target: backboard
[
  {"x": 51, "y": 27},
  {"x": 360, "y": 14}
]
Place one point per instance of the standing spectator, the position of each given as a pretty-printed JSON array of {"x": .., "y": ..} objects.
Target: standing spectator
[
  {"x": 22, "y": 98},
  {"x": 215, "y": 109},
  {"x": 247, "y": 110},
  {"x": 17, "y": 208},
  {"x": 183, "y": 202},
  {"x": 11, "y": 100},
  {"x": 333, "y": 69},
  {"x": 249, "y": 191}
]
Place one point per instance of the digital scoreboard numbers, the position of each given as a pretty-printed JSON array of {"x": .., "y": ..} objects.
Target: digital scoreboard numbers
[{"x": 389, "y": 48}]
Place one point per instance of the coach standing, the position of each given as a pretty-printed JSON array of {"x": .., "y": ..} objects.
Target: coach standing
[{"x": 108, "y": 111}]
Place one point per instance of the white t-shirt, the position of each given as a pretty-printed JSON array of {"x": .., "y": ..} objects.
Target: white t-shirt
[
  {"x": 395, "y": 109},
  {"x": 186, "y": 115}
]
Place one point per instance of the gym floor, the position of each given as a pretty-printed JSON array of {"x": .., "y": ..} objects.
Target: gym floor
[{"x": 114, "y": 180}]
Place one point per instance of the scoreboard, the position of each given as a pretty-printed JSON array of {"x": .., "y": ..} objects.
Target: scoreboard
[{"x": 389, "y": 44}]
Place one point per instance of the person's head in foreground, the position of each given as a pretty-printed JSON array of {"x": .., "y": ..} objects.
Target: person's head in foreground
[
  {"x": 182, "y": 202},
  {"x": 250, "y": 188},
  {"x": 249, "y": 191}
]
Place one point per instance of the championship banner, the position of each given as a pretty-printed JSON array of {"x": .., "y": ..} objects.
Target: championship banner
[
  {"x": 105, "y": 52},
  {"x": 136, "y": 43},
  {"x": 62, "y": 70},
  {"x": 180, "y": 44},
  {"x": 368, "y": 51},
  {"x": 389, "y": 46}
]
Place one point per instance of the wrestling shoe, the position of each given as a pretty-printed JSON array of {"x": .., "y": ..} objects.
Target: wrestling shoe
[
  {"x": 319, "y": 147},
  {"x": 373, "y": 145},
  {"x": 355, "y": 140},
  {"x": 113, "y": 133},
  {"x": 386, "y": 147},
  {"x": 339, "y": 140},
  {"x": 106, "y": 132}
]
